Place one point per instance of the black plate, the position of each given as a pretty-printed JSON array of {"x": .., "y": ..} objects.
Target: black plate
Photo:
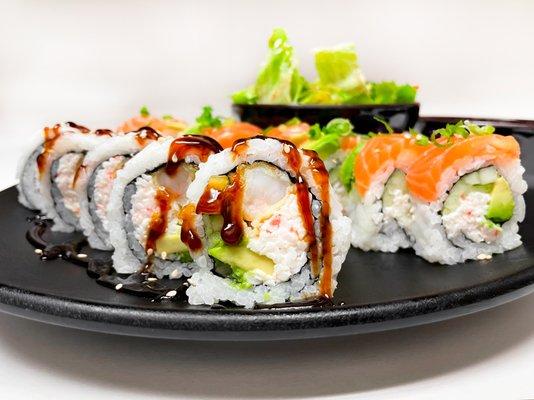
[
  {"x": 376, "y": 291},
  {"x": 399, "y": 116}
]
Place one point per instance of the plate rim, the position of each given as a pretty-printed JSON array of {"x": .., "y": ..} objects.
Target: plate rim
[{"x": 317, "y": 322}]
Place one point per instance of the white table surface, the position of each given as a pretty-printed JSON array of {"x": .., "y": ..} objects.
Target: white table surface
[{"x": 97, "y": 61}]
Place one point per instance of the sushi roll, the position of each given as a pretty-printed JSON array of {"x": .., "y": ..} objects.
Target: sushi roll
[
  {"x": 467, "y": 196},
  {"x": 96, "y": 175},
  {"x": 47, "y": 174},
  {"x": 373, "y": 191},
  {"x": 264, "y": 225},
  {"x": 145, "y": 205}
]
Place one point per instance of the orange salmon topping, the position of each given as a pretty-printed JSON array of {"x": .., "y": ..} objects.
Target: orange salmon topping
[
  {"x": 383, "y": 153},
  {"x": 166, "y": 127},
  {"x": 426, "y": 179},
  {"x": 227, "y": 134},
  {"x": 295, "y": 133}
]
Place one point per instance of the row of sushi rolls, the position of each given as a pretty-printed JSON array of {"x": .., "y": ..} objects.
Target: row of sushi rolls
[{"x": 253, "y": 216}]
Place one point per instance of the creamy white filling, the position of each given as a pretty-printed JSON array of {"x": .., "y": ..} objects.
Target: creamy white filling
[
  {"x": 402, "y": 211},
  {"x": 103, "y": 184},
  {"x": 67, "y": 167},
  {"x": 469, "y": 219},
  {"x": 280, "y": 237}
]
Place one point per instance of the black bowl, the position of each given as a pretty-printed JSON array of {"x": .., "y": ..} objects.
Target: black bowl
[{"x": 399, "y": 116}]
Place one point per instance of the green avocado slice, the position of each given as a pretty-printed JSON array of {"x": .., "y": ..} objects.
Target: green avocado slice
[
  {"x": 501, "y": 205},
  {"x": 241, "y": 257}
]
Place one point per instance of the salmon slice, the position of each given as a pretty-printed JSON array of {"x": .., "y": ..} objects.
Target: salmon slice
[
  {"x": 382, "y": 153},
  {"x": 295, "y": 133},
  {"x": 228, "y": 133},
  {"x": 427, "y": 178},
  {"x": 167, "y": 127}
]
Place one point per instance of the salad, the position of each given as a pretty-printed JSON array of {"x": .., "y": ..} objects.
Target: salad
[{"x": 339, "y": 79}]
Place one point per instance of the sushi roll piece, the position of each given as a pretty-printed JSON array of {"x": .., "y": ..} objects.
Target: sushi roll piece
[
  {"x": 145, "y": 206},
  {"x": 372, "y": 186},
  {"x": 264, "y": 226},
  {"x": 95, "y": 177},
  {"x": 467, "y": 196},
  {"x": 47, "y": 173}
]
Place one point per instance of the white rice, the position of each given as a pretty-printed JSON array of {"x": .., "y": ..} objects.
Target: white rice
[{"x": 373, "y": 227}]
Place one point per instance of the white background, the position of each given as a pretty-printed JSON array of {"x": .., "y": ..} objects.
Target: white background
[{"x": 96, "y": 62}]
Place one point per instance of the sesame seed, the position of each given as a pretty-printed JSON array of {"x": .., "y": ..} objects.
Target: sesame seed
[
  {"x": 151, "y": 279},
  {"x": 38, "y": 251},
  {"x": 175, "y": 274},
  {"x": 407, "y": 136},
  {"x": 171, "y": 293},
  {"x": 484, "y": 257},
  {"x": 174, "y": 158},
  {"x": 118, "y": 286},
  {"x": 287, "y": 148},
  {"x": 150, "y": 252},
  {"x": 82, "y": 255},
  {"x": 163, "y": 255}
]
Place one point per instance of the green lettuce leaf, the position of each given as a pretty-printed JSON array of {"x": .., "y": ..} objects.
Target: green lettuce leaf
[
  {"x": 279, "y": 81},
  {"x": 338, "y": 67},
  {"x": 346, "y": 169},
  {"x": 391, "y": 93},
  {"x": 339, "y": 77},
  {"x": 327, "y": 141}
]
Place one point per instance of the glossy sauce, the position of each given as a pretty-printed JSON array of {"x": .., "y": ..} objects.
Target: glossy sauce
[
  {"x": 210, "y": 202},
  {"x": 103, "y": 132},
  {"x": 51, "y": 135},
  {"x": 188, "y": 234},
  {"x": 232, "y": 211},
  {"x": 190, "y": 145},
  {"x": 158, "y": 222},
  {"x": 80, "y": 128},
  {"x": 320, "y": 175},
  {"x": 146, "y": 134}
]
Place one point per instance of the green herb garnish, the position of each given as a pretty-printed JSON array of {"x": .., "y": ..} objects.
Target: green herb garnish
[
  {"x": 462, "y": 129},
  {"x": 144, "y": 111},
  {"x": 383, "y": 121},
  {"x": 205, "y": 120}
]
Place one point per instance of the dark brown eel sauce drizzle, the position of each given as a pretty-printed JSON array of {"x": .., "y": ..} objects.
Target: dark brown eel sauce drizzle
[
  {"x": 320, "y": 175},
  {"x": 146, "y": 134},
  {"x": 179, "y": 149},
  {"x": 51, "y": 135}
]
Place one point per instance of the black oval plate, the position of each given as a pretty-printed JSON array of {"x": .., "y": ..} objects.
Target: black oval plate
[{"x": 376, "y": 291}]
